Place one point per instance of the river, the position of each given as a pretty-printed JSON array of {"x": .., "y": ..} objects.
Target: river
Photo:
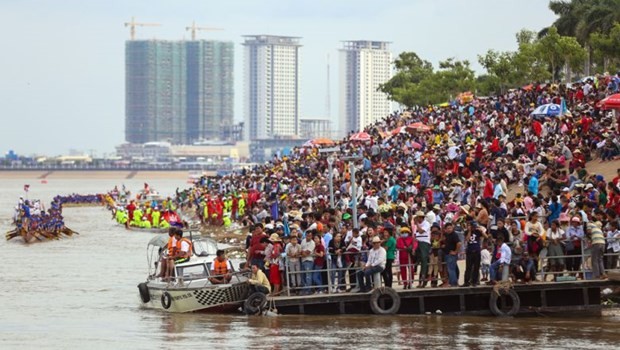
[{"x": 82, "y": 291}]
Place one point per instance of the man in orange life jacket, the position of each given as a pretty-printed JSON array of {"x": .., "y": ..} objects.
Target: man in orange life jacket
[
  {"x": 182, "y": 251},
  {"x": 171, "y": 247},
  {"x": 221, "y": 269}
]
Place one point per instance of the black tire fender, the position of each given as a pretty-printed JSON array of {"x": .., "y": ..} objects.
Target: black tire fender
[
  {"x": 380, "y": 292},
  {"x": 166, "y": 300},
  {"x": 255, "y": 303},
  {"x": 145, "y": 296},
  {"x": 516, "y": 302}
]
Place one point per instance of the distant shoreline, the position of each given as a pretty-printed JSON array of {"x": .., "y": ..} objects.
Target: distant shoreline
[{"x": 38, "y": 174}]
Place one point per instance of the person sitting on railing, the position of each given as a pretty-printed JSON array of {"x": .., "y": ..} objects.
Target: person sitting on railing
[
  {"x": 171, "y": 247},
  {"x": 221, "y": 269},
  {"x": 502, "y": 264},
  {"x": 375, "y": 264}
]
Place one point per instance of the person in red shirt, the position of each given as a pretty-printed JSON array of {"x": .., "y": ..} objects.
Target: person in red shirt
[
  {"x": 319, "y": 263},
  {"x": 258, "y": 243},
  {"x": 617, "y": 178},
  {"x": 488, "y": 187},
  {"x": 130, "y": 209},
  {"x": 586, "y": 121}
]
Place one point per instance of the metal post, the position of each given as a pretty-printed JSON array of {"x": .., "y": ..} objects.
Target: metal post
[
  {"x": 583, "y": 259},
  {"x": 288, "y": 277},
  {"x": 354, "y": 194},
  {"x": 330, "y": 162},
  {"x": 329, "y": 275}
]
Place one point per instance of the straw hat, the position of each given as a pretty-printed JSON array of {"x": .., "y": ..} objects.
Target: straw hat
[
  {"x": 275, "y": 238},
  {"x": 376, "y": 239},
  {"x": 420, "y": 213},
  {"x": 466, "y": 208}
]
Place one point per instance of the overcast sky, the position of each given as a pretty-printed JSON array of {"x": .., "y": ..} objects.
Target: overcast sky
[{"x": 62, "y": 63}]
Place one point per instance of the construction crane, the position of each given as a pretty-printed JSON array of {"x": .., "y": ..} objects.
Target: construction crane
[
  {"x": 194, "y": 29},
  {"x": 133, "y": 24}
]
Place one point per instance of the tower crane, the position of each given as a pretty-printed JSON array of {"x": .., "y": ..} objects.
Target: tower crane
[
  {"x": 133, "y": 24},
  {"x": 194, "y": 29}
]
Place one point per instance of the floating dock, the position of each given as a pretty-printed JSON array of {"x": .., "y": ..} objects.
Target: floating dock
[{"x": 535, "y": 298}]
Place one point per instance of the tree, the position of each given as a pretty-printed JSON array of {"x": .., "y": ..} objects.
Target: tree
[
  {"x": 557, "y": 50},
  {"x": 499, "y": 65},
  {"x": 416, "y": 82},
  {"x": 607, "y": 46},
  {"x": 582, "y": 18},
  {"x": 411, "y": 69}
]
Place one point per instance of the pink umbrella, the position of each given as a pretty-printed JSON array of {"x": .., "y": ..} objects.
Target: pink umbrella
[
  {"x": 360, "y": 136},
  {"x": 418, "y": 127},
  {"x": 415, "y": 145}
]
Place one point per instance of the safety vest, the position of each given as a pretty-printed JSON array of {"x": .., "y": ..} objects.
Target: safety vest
[
  {"x": 220, "y": 267},
  {"x": 179, "y": 242},
  {"x": 171, "y": 246}
]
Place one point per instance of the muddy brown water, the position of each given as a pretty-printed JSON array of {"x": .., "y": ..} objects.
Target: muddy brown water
[{"x": 82, "y": 291}]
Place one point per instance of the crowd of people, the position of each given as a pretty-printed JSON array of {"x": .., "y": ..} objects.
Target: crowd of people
[
  {"x": 33, "y": 221},
  {"x": 481, "y": 179},
  {"x": 79, "y": 199}
]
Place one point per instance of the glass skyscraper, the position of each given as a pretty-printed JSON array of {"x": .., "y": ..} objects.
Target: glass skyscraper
[{"x": 178, "y": 91}]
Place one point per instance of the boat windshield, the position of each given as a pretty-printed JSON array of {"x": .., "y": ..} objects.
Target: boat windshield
[{"x": 205, "y": 247}]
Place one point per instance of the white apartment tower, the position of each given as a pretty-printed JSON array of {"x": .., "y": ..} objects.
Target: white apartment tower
[
  {"x": 364, "y": 65},
  {"x": 271, "y": 86}
]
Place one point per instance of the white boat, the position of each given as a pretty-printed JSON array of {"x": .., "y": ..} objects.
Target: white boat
[{"x": 190, "y": 289}]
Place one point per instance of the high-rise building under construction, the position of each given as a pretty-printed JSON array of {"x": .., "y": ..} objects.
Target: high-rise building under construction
[{"x": 178, "y": 91}]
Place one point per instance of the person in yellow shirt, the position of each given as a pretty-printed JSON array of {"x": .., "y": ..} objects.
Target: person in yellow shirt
[{"x": 258, "y": 281}]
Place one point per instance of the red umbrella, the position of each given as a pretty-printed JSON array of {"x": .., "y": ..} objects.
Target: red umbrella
[
  {"x": 418, "y": 127},
  {"x": 610, "y": 102},
  {"x": 396, "y": 131},
  {"x": 360, "y": 136},
  {"x": 415, "y": 145},
  {"x": 318, "y": 142}
]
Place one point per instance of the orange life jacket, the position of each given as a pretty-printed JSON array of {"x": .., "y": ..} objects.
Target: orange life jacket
[
  {"x": 179, "y": 242},
  {"x": 171, "y": 246},
  {"x": 220, "y": 267}
]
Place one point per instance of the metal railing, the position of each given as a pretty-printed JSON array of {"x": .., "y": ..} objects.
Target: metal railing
[{"x": 339, "y": 278}]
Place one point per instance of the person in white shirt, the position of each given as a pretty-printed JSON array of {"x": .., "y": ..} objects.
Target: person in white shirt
[
  {"x": 375, "y": 264},
  {"x": 307, "y": 261},
  {"x": 293, "y": 253},
  {"x": 423, "y": 236},
  {"x": 485, "y": 263},
  {"x": 503, "y": 262}
]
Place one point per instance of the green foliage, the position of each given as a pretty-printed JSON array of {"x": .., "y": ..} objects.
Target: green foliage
[
  {"x": 557, "y": 50},
  {"x": 582, "y": 26},
  {"x": 416, "y": 82},
  {"x": 607, "y": 47}
]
